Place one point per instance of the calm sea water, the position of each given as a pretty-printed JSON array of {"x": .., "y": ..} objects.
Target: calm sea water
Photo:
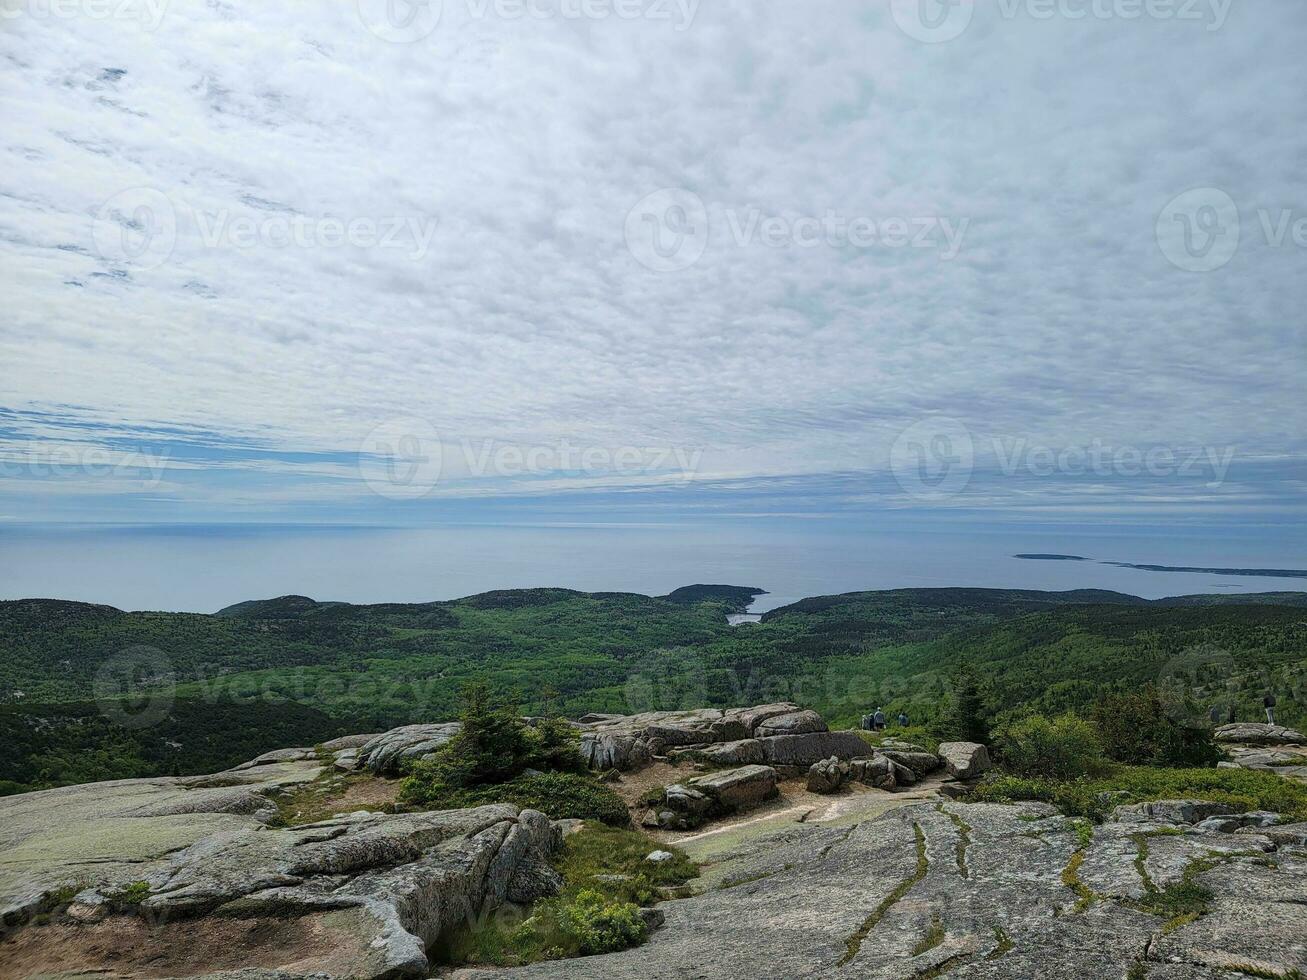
[{"x": 202, "y": 569}]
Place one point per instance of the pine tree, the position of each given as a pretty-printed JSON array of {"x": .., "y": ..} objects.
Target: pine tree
[{"x": 966, "y": 718}]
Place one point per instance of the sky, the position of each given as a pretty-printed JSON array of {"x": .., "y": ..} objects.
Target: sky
[{"x": 384, "y": 262}]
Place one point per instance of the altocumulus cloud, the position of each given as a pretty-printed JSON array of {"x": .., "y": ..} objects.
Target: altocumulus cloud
[{"x": 771, "y": 238}]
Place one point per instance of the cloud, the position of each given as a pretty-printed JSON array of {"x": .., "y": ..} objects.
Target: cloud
[{"x": 340, "y": 231}]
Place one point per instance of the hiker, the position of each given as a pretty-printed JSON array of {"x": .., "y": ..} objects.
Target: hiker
[
  {"x": 868, "y": 723},
  {"x": 1229, "y": 715},
  {"x": 1268, "y": 703},
  {"x": 1215, "y": 715},
  {"x": 903, "y": 719},
  {"x": 878, "y": 720}
]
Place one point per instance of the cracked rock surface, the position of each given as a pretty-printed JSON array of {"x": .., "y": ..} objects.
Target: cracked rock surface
[
  {"x": 214, "y": 889},
  {"x": 978, "y": 890}
]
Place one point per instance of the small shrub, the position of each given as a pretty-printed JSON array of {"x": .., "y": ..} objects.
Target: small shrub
[
  {"x": 1243, "y": 789},
  {"x": 606, "y": 878},
  {"x": 1075, "y": 798},
  {"x": 129, "y": 896},
  {"x": 494, "y": 749},
  {"x": 1136, "y": 728},
  {"x": 1064, "y": 748},
  {"x": 599, "y": 925}
]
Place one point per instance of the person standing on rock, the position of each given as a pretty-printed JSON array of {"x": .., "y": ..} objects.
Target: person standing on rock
[
  {"x": 878, "y": 720},
  {"x": 1268, "y": 703},
  {"x": 1215, "y": 715}
]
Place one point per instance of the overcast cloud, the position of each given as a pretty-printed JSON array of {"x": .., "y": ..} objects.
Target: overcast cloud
[{"x": 719, "y": 244}]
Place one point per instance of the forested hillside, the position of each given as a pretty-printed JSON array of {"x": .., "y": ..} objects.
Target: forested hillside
[{"x": 266, "y": 674}]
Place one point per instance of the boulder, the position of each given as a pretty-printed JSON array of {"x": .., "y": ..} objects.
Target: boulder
[
  {"x": 827, "y": 776},
  {"x": 569, "y": 826},
  {"x": 736, "y": 789},
  {"x": 751, "y": 718},
  {"x": 921, "y": 763},
  {"x": 793, "y": 723},
  {"x": 687, "y": 800},
  {"x": 964, "y": 760},
  {"x": 1170, "y": 811},
  {"x": 387, "y": 752},
  {"x": 605, "y": 750},
  {"x": 875, "y": 770},
  {"x": 1257, "y": 733},
  {"x": 903, "y": 776},
  {"x": 804, "y": 750}
]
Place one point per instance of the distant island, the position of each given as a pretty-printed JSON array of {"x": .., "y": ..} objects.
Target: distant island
[
  {"x": 1052, "y": 557},
  {"x": 1261, "y": 572},
  {"x": 1255, "y": 572}
]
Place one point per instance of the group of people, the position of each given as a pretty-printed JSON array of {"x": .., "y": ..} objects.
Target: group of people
[
  {"x": 1268, "y": 703},
  {"x": 875, "y": 722}
]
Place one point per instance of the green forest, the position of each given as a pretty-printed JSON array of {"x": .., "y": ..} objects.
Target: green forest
[{"x": 90, "y": 692}]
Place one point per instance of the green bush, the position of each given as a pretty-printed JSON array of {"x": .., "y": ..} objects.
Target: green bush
[
  {"x": 1063, "y": 748},
  {"x": 601, "y": 926},
  {"x": 1136, "y": 728},
  {"x": 1243, "y": 789},
  {"x": 559, "y": 795},
  {"x": 606, "y": 878},
  {"x": 492, "y": 753}
]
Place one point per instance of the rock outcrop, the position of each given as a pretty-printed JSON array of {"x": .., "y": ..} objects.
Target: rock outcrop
[
  {"x": 1256, "y": 733},
  {"x": 975, "y": 891},
  {"x": 775, "y": 734},
  {"x": 386, "y": 753},
  {"x": 190, "y": 860}
]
